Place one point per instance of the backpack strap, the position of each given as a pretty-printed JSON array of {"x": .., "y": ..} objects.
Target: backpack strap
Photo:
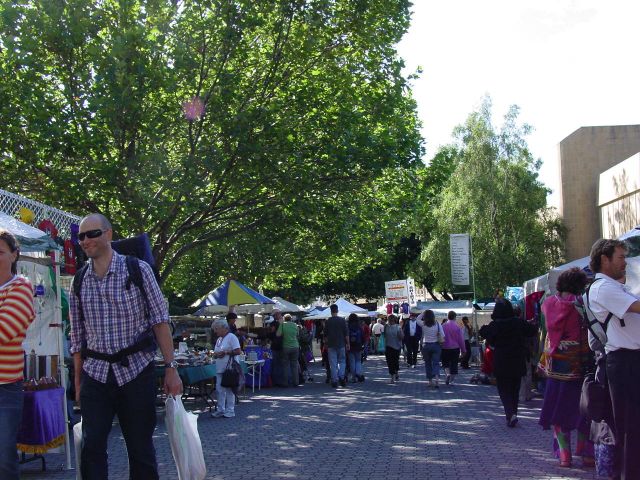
[
  {"x": 76, "y": 286},
  {"x": 608, "y": 317},
  {"x": 135, "y": 278}
]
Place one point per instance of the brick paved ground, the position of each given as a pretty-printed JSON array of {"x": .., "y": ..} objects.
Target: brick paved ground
[{"x": 372, "y": 430}]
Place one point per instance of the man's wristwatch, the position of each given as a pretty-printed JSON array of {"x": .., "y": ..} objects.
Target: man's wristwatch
[{"x": 172, "y": 364}]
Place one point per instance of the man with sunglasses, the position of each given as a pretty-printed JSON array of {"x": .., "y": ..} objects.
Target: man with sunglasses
[{"x": 111, "y": 324}]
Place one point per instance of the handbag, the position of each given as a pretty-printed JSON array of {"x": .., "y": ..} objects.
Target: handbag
[{"x": 230, "y": 377}]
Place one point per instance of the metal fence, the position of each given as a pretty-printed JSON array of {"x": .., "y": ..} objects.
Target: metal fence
[{"x": 10, "y": 203}]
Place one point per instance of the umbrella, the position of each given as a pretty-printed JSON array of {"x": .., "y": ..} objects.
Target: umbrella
[{"x": 229, "y": 293}]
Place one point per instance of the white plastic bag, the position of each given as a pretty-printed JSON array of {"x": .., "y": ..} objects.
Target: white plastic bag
[
  {"x": 182, "y": 427},
  {"x": 77, "y": 443}
]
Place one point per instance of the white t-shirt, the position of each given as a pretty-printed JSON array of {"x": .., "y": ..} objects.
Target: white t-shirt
[
  {"x": 227, "y": 343},
  {"x": 377, "y": 329},
  {"x": 607, "y": 295},
  {"x": 430, "y": 334}
]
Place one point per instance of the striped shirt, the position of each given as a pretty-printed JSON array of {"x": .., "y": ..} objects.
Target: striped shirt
[
  {"x": 16, "y": 314},
  {"x": 114, "y": 318}
]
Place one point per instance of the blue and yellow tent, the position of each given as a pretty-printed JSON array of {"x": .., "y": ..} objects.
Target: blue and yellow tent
[{"x": 232, "y": 292}]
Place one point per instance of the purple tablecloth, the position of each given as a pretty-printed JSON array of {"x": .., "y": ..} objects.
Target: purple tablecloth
[{"x": 43, "y": 423}]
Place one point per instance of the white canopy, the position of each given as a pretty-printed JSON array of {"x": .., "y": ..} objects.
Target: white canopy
[
  {"x": 31, "y": 239},
  {"x": 547, "y": 282},
  {"x": 345, "y": 309},
  {"x": 285, "y": 306}
]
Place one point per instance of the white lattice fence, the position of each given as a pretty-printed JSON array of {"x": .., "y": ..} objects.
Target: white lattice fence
[{"x": 10, "y": 203}]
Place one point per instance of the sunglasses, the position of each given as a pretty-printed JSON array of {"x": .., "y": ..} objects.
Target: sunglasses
[{"x": 90, "y": 234}]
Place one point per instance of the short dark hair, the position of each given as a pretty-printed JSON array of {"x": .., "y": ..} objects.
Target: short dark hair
[
  {"x": 604, "y": 246},
  {"x": 333, "y": 308},
  {"x": 573, "y": 281},
  {"x": 231, "y": 316},
  {"x": 451, "y": 315},
  {"x": 353, "y": 318},
  {"x": 11, "y": 241}
]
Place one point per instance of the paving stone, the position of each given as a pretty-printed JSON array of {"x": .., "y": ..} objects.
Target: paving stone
[{"x": 372, "y": 430}]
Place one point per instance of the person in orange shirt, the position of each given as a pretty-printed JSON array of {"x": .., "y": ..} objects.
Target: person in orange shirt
[{"x": 16, "y": 314}]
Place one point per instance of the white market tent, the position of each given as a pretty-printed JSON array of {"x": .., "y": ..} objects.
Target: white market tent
[
  {"x": 345, "y": 309},
  {"x": 286, "y": 307},
  {"x": 547, "y": 282},
  {"x": 45, "y": 334}
]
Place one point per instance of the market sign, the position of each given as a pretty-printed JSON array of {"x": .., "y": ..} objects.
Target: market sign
[
  {"x": 396, "y": 290},
  {"x": 401, "y": 291},
  {"x": 459, "y": 249}
]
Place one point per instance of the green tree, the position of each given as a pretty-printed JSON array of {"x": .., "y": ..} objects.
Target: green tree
[
  {"x": 494, "y": 195},
  {"x": 207, "y": 121}
]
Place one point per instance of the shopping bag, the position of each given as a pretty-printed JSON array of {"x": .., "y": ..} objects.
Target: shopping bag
[
  {"x": 77, "y": 443},
  {"x": 182, "y": 427}
]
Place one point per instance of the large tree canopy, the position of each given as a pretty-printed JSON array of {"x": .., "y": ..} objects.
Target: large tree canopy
[
  {"x": 494, "y": 195},
  {"x": 203, "y": 122}
]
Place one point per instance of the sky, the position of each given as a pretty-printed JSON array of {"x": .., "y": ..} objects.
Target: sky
[{"x": 565, "y": 63}]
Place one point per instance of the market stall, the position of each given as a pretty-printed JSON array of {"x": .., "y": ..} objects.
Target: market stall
[{"x": 45, "y": 412}]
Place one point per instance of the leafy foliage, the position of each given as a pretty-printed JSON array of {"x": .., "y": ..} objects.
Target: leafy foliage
[
  {"x": 495, "y": 195},
  {"x": 227, "y": 129}
]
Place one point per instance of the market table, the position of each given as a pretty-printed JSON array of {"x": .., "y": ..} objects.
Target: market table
[
  {"x": 252, "y": 366},
  {"x": 198, "y": 381},
  {"x": 43, "y": 424}
]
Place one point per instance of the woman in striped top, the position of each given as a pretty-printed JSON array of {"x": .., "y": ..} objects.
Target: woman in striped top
[{"x": 16, "y": 313}]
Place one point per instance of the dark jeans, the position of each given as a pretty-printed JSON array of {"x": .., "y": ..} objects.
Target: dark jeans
[
  {"x": 509, "y": 391},
  {"x": 393, "y": 359},
  {"x": 623, "y": 373},
  {"x": 290, "y": 366},
  {"x": 464, "y": 361},
  {"x": 412, "y": 350},
  {"x": 11, "y": 400},
  {"x": 134, "y": 403},
  {"x": 450, "y": 357}
]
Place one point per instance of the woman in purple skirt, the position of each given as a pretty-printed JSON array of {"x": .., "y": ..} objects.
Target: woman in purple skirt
[{"x": 564, "y": 354}]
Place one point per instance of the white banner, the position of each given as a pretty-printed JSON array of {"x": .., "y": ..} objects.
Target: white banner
[
  {"x": 396, "y": 290},
  {"x": 411, "y": 291},
  {"x": 459, "y": 249}
]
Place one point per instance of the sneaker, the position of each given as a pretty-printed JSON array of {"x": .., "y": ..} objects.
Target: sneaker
[
  {"x": 343, "y": 382},
  {"x": 361, "y": 378},
  {"x": 393, "y": 379},
  {"x": 229, "y": 415},
  {"x": 397, "y": 377},
  {"x": 513, "y": 421},
  {"x": 334, "y": 384},
  {"x": 217, "y": 414}
]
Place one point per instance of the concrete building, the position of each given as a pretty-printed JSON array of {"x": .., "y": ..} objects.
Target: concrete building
[
  {"x": 619, "y": 197},
  {"x": 583, "y": 157}
]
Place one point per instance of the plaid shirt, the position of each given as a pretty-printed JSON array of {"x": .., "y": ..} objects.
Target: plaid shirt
[{"x": 114, "y": 317}]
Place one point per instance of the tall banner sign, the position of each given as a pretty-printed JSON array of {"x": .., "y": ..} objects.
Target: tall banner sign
[
  {"x": 411, "y": 292},
  {"x": 459, "y": 249}
]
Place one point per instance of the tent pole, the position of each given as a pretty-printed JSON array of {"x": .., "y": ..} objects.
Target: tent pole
[{"x": 62, "y": 366}]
